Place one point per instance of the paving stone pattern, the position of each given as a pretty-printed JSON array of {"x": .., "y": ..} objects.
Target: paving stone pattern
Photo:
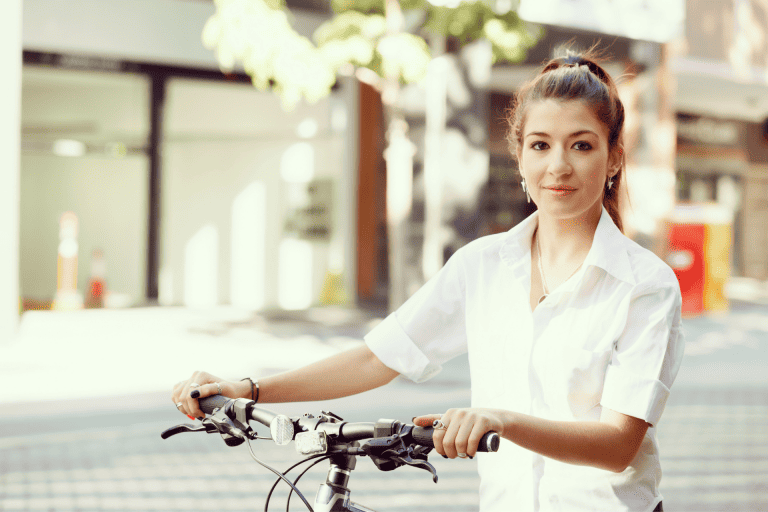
[
  {"x": 714, "y": 445},
  {"x": 713, "y": 439}
]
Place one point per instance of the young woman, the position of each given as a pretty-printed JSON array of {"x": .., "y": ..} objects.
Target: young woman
[{"x": 572, "y": 330}]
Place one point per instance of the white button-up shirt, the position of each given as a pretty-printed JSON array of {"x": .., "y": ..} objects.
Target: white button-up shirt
[{"x": 610, "y": 336}]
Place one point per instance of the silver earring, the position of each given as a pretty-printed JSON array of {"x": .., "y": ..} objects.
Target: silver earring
[
  {"x": 525, "y": 189},
  {"x": 610, "y": 183}
]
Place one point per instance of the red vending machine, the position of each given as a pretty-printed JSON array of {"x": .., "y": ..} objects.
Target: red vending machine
[{"x": 698, "y": 250}]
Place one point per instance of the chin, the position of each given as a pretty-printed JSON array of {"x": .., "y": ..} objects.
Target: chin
[{"x": 563, "y": 210}]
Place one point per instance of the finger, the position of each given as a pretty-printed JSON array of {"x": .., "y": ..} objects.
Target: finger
[
  {"x": 437, "y": 439},
  {"x": 478, "y": 431},
  {"x": 178, "y": 396},
  {"x": 190, "y": 406},
  {"x": 176, "y": 391},
  {"x": 461, "y": 442},
  {"x": 202, "y": 391},
  {"x": 426, "y": 420},
  {"x": 454, "y": 423}
]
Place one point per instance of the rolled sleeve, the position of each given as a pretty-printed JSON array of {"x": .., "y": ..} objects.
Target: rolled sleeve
[
  {"x": 428, "y": 329},
  {"x": 634, "y": 395},
  {"x": 389, "y": 342},
  {"x": 647, "y": 355}
]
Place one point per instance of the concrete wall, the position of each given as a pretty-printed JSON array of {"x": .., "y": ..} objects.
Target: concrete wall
[
  {"x": 157, "y": 31},
  {"x": 10, "y": 96}
]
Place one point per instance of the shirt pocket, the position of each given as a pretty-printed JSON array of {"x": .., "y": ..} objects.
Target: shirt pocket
[{"x": 580, "y": 374}]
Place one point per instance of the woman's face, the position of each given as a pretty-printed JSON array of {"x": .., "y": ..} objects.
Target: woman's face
[{"x": 565, "y": 159}]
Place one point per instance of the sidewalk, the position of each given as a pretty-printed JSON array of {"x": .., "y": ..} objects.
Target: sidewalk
[
  {"x": 99, "y": 353},
  {"x": 87, "y": 354}
]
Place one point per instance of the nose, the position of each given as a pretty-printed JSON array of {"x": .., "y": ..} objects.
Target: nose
[{"x": 559, "y": 163}]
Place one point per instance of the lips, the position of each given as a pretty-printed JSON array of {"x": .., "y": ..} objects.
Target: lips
[{"x": 560, "y": 190}]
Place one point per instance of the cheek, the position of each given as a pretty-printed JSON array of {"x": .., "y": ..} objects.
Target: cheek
[{"x": 597, "y": 174}]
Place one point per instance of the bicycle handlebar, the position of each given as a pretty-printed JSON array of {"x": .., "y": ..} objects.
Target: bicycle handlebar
[
  {"x": 389, "y": 444},
  {"x": 343, "y": 431}
]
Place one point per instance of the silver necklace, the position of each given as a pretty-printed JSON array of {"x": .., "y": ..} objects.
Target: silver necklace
[{"x": 541, "y": 272}]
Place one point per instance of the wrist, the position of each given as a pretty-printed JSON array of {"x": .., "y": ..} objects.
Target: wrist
[
  {"x": 243, "y": 389},
  {"x": 509, "y": 423}
]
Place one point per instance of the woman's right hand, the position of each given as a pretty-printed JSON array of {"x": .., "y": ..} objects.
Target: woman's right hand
[{"x": 206, "y": 384}]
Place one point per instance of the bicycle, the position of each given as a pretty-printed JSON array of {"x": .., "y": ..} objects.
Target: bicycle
[{"x": 389, "y": 443}]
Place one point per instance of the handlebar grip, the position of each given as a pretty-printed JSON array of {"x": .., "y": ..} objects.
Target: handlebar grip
[
  {"x": 488, "y": 443},
  {"x": 209, "y": 403}
]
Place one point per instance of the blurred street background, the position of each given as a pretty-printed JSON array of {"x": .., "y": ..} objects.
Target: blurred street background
[{"x": 246, "y": 186}]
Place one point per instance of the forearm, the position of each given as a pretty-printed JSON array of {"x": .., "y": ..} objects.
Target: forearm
[
  {"x": 587, "y": 443},
  {"x": 344, "y": 374}
]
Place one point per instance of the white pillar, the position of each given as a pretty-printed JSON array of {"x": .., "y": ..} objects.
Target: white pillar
[{"x": 10, "y": 144}]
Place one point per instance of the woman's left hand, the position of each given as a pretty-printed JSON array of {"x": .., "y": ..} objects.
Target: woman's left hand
[{"x": 464, "y": 429}]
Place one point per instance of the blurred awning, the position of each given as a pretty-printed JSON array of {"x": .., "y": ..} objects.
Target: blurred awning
[
  {"x": 647, "y": 20},
  {"x": 717, "y": 89}
]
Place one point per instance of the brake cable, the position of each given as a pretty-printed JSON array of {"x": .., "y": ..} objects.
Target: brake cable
[
  {"x": 274, "y": 486},
  {"x": 282, "y": 476},
  {"x": 295, "y": 482}
]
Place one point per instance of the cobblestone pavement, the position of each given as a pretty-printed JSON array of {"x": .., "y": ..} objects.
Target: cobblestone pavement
[
  {"x": 714, "y": 450},
  {"x": 713, "y": 439},
  {"x": 714, "y": 446}
]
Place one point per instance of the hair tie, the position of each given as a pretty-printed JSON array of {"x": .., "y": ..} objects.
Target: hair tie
[{"x": 574, "y": 60}]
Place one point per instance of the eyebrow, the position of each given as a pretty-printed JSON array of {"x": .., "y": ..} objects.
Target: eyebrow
[{"x": 574, "y": 134}]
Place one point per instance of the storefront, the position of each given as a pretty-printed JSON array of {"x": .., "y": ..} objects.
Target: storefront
[
  {"x": 713, "y": 167},
  {"x": 196, "y": 188}
]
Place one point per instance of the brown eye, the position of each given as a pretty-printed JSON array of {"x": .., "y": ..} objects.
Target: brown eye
[
  {"x": 582, "y": 146},
  {"x": 538, "y": 146}
]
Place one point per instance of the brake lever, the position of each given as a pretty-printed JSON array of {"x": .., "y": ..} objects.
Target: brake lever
[
  {"x": 391, "y": 452},
  {"x": 417, "y": 462},
  {"x": 185, "y": 427}
]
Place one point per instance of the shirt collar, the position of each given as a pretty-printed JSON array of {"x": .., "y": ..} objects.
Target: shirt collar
[{"x": 608, "y": 251}]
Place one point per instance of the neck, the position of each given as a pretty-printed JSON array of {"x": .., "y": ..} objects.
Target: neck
[{"x": 563, "y": 239}]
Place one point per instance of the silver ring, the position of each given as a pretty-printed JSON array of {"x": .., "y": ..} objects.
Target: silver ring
[
  {"x": 462, "y": 455},
  {"x": 179, "y": 404},
  {"x": 439, "y": 425},
  {"x": 218, "y": 386},
  {"x": 194, "y": 385}
]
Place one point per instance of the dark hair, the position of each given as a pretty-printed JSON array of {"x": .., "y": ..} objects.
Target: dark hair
[{"x": 576, "y": 77}]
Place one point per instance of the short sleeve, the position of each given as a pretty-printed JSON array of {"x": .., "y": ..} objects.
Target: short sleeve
[
  {"x": 647, "y": 355},
  {"x": 428, "y": 329}
]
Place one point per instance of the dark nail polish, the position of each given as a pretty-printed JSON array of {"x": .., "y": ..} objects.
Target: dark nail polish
[
  {"x": 195, "y": 393},
  {"x": 201, "y": 419},
  {"x": 444, "y": 456}
]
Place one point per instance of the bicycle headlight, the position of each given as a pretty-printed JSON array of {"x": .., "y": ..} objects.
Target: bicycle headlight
[{"x": 311, "y": 443}]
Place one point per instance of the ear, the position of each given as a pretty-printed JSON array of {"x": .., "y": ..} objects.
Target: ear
[{"x": 615, "y": 160}]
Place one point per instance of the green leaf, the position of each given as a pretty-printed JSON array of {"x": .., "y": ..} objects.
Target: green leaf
[
  {"x": 404, "y": 57},
  {"x": 350, "y": 24},
  {"x": 362, "y": 6}
]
